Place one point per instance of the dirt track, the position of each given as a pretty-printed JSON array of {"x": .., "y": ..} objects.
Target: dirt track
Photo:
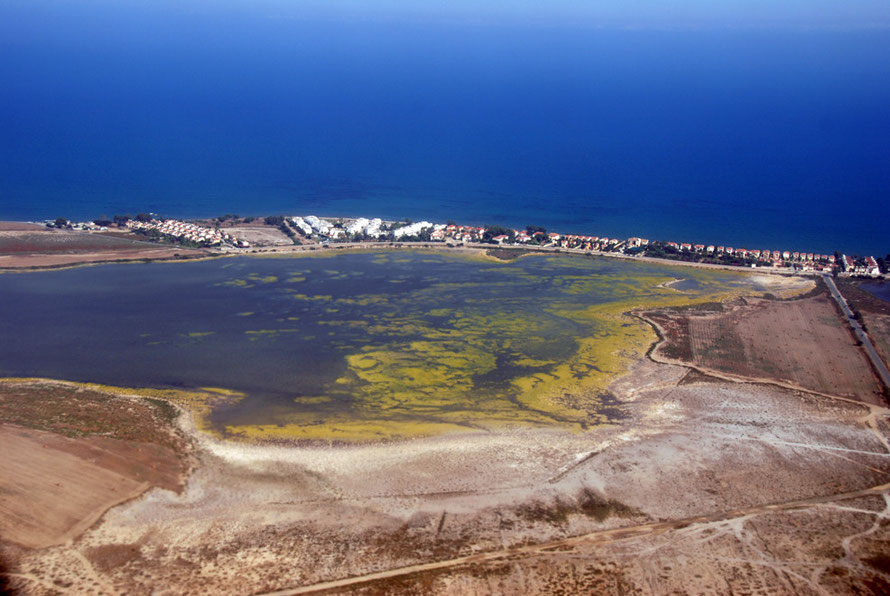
[
  {"x": 593, "y": 538},
  {"x": 700, "y": 470}
]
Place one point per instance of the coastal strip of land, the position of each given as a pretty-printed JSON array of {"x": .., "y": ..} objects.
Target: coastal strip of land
[
  {"x": 61, "y": 250},
  {"x": 279, "y": 233}
]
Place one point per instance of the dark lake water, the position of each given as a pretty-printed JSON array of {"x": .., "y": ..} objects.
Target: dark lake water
[
  {"x": 879, "y": 289},
  {"x": 362, "y": 335}
]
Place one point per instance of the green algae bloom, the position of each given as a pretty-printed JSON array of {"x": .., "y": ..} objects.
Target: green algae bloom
[{"x": 470, "y": 344}]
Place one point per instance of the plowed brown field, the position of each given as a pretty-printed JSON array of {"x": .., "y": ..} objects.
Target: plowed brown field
[
  {"x": 49, "y": 492},
  {"x": 26, "y": 246},
  {"x": 804, "y": 343},
  {"x": 69, "y": 455}
]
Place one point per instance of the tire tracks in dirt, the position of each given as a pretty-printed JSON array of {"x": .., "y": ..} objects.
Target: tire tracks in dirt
[{"x": 592, "y": 538}]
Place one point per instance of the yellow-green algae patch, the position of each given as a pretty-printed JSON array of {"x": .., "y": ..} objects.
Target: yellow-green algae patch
[
  {"x": 263, "y": 279},
  {"x": 237, "y": 283},
  {"x": 255, "y": 334},
  {"x": 489, "y": 361},
  {"x": 352, "y": 431}
]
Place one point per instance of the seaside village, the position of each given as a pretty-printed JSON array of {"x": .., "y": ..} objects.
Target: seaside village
[
  {"x": 312, "y": 229},
  {"x": 376, "y": 229},
  {"x": 188, "y": 232}
]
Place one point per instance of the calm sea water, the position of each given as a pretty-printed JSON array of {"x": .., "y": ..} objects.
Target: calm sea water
[{"x": 757, "y": 139}]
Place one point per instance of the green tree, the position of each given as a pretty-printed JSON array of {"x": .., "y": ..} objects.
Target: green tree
[
  {"x": 492, "y": 231},
  {"x": 61, "y": 222}
]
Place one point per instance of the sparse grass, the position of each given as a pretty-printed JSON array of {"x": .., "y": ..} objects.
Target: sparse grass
[
  {"x": 75, "y": 410},
  {"x": 587, "y": 502},
  {"x": 167, "y": 410}
]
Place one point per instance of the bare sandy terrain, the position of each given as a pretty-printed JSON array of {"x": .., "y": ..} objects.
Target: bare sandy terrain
[
  {"x": 802, "y": 343},
  {"x": 49, "y": 241},
  {"x": 20, "y": 226},
  {"x": 259, "y": 234}
]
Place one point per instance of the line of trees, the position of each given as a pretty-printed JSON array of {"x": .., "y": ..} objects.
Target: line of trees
[{"x": 121, "y": 220}]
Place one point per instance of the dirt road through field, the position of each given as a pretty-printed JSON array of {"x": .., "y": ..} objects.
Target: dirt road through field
[
  {"x": 876, "y": 361},
  {"x": 600, "y": 537}
]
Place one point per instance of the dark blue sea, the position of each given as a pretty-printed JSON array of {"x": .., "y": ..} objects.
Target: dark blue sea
[{"x": 750, "y": 138}]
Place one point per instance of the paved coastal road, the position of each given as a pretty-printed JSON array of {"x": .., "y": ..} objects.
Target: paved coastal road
[{"x": 858, "y": 332}]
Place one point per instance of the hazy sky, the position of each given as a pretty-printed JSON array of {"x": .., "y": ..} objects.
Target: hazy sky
[
  {"x": 656, "y": 14},
  {"x": 617, "y": 13}
]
